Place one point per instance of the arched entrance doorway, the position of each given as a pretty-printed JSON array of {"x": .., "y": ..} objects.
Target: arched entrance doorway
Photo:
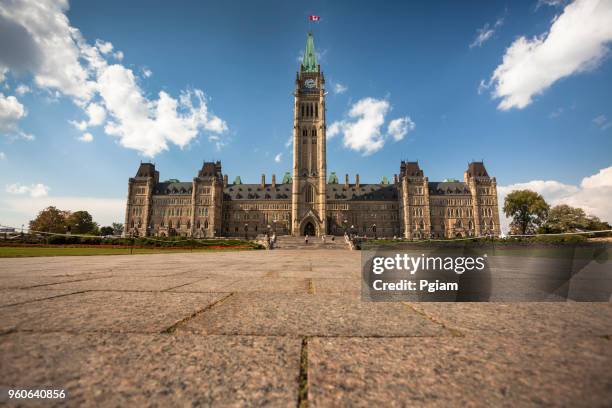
[{"x": 309, "y": 229}]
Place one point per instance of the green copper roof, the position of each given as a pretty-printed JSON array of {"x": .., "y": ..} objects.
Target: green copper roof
[
  {"x": 309, "y": 63},
  {"x": 287, "y": 178},
  {"x": 237, "y": 180},
  {"x": 333, "y": 179}
]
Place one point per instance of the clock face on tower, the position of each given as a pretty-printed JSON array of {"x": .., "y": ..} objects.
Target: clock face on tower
[{"x": 309, "y": 83}]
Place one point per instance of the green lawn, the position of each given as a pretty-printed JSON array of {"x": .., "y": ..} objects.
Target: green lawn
[{"x": 13, "y": 252}]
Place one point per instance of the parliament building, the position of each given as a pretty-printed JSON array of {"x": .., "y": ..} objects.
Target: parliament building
[{"x": 308, "y": 201}]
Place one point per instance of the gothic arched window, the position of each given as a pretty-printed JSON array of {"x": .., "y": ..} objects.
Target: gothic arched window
[{"x": 310, "y": 194}]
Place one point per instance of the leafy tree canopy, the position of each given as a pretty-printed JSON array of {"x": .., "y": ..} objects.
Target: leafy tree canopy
[
  {"x": 527, "y": 209},
  {"x": 564, "y": 218}
]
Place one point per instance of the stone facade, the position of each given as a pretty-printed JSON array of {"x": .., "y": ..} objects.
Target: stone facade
[{"x": 307, "y": 202}]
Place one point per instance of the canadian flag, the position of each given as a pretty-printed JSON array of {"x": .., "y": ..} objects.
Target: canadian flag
[{"x": 314, "y": 18}]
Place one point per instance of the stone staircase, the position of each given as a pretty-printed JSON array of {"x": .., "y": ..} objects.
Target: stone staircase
[{"x": 291, "y": 242}]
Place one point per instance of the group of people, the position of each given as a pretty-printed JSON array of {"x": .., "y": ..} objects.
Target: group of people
[{"x": 306, "y": 237}]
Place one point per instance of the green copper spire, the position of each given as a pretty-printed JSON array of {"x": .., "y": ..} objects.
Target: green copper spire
[{"x": 309, "y": 63}]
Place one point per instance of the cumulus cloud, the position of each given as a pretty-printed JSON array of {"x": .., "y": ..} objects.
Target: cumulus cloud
[
  {"x": 86, "y": 137},
  {"x": 278, "y": 157},
  {"x": 148, "y": 125},
  {"x": 362, "y": 129},
  {"x": 96, "y": 114},
  {"x": 33, "y": 190},
  {"x": 339, "y": 88},
  {"x": 62, "y": 62},
  {"x": 398, "y": 128},
  {"x": 485, "y": 33},
  {"x": 11, "y": 112},
  {"x": 577, "y": 41},
  {"x": 593, "y": 194}
]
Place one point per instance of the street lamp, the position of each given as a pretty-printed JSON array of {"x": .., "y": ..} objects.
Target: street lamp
[
  {"x": 274, "y": 226},
  {"x": 246, "y": 231},
  {"x": 374, "y": 230},
  {"x": 344, "y": 225}
]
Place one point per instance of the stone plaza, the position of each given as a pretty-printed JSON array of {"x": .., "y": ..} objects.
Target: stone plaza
[{"x": 282, "y": 328}]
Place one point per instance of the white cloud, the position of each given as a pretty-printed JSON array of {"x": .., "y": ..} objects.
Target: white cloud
[
  {"x": 96, "y": 113},
  {"x": 485, "y": 33},
  {"x": 11, "y": 112},
  {"x": 62, "y": 62},
  {"x": 33, "y": 190},
  {"x": 17, "y": 210},
  {"x": 278, "y": 157},
  {"x": 146, "y": 72},
  {"x": 2, "y": 156},
  {"x": 593, "y": 194},
  {"x": 398, "y": 128},
  {"x": 105, "y": 47},
  {"x": 86, "y": 137},
  {"x": 602, "y": 122},
  {"x": 362, "y": 129},
  {"x": 289, "y": 141},
  {"x": 339, "y": 88},
  {"x": 148, "y": 125},
  {"x": 551, "y": 3},
  {"x": 576, "y": 42},
  {"x": 22, "y": 89}
]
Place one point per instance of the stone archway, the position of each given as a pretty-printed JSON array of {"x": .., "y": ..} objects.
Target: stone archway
[{"x": 309, "y": 229}]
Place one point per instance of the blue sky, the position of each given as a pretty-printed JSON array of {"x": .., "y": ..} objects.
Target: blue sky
[{"x": 432, "y": 63}]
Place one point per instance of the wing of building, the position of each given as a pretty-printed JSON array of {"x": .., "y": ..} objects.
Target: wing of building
[{"x": 306, "y": 201}]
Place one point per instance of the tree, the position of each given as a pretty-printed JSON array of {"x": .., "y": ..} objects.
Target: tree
[
  {"x": 117, "y": 228},
  {"x": 106, "y": 231},
  {"x": 564, "y": 218},
  {"x": 50, "y": 220},
  {"x": 528, "y": 210},
  {"x": 81, "y": 222}
]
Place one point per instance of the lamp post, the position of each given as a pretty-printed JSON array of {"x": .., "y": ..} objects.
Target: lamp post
[
  {"x": 374, "y": 230},
  {"x": 344, "y": 223},
  {"x": 246, "y": 231},
  {"x": 274, "y": 226}
]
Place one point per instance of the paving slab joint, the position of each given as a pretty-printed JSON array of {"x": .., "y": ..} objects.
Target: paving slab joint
[
  {"x": 302, "y": 398},
  {"x": 172, "y": 329},
  {"x": 454, "y": 332}
]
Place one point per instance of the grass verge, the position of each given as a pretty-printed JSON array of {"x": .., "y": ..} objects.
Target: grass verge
[{"x": 16, "y": 252}]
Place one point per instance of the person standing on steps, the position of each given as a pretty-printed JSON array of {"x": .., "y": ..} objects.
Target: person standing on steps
[
  {"x": 306, "y": 239},
  {"x": 323, "y": 239}
]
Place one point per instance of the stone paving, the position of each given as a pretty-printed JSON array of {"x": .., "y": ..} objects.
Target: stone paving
[{"x": 282, "y": 328}]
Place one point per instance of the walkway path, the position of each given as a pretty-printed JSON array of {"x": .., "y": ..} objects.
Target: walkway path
[{"x": 282, "y": 328}]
